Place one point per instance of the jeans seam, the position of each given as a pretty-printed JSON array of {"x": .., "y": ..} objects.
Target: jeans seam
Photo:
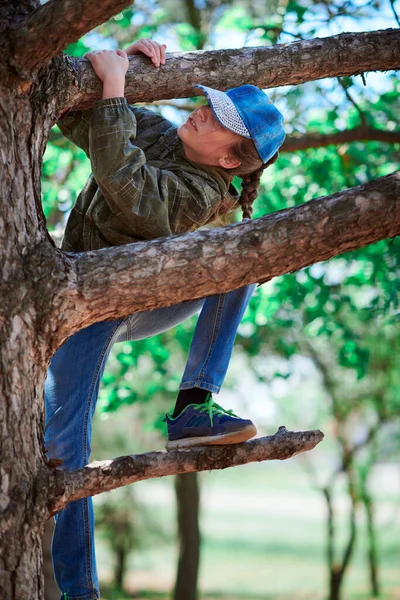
[
  {"x": 129, "y": 331},
  {"x": 88, "y": 557},
  {"x": 217, "y": 321}
]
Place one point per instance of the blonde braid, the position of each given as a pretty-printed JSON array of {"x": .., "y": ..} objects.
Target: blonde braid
[{"x": 250, "y": 184}]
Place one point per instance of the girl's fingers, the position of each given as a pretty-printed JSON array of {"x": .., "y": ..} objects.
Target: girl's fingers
[
  {"x": 157, "y": 52},
  {"x": 153, "y": 50},
  {"x": 139, "y": 47},
  {"x": 163, "y": 51},
  {"x": 148, "y": 49}
]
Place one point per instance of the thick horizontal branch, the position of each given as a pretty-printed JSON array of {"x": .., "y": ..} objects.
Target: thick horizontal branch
[
  {"x": 114, "y": 282},
  {"x": 98, "y": 477},
  {"x": 319, "y": 140},
  {"x": 266, "y": 66},
  {"x": 54, "y": 25}
]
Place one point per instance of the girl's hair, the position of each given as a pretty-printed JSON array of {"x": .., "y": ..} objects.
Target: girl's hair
[{"x": 250, "y": 170}]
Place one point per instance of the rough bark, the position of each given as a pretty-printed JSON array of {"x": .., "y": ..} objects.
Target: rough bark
[
  {"x": 98, "y": 477},
  {"x": 22, "y": 356},
  {"x": 114, "y": 282},
  {"x": 188, "y": 502},
  {"x": 44, "y": 33},
  {"x": 346, "y": 54}
]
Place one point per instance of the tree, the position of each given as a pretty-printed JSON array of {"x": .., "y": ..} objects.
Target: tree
[
  {"x": 48, "y": 295},
  {"x": 343, "y": 315}
]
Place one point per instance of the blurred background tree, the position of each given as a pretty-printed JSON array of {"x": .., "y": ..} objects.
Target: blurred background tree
[
  {"x": 127, "y": 526},
  {"x": 318, "y": 348}
]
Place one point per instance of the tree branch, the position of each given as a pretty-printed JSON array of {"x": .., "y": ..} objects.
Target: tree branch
[
  {"x": 267, "y": 67},
  {"x": 396, "y": 16},
  {"x": 117, "y": 281},
  {"x": 319, "y": 140},
  {"x": 54, "y": 25},
  {"x": 64, "y": 487}
]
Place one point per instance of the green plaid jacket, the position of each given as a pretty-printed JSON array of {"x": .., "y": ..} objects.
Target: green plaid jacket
[{"x": 142, "y": 186}]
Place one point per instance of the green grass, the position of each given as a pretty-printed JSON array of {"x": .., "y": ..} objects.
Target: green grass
[{"x": 264, "y": 535}]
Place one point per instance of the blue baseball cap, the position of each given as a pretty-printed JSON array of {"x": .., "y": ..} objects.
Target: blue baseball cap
[{"x": 248, "y": 111}]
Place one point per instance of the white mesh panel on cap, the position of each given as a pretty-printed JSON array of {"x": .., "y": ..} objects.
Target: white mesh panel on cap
[{"x": 225, "y": 111}]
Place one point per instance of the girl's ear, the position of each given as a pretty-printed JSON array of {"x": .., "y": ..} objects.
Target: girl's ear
[{"x": 229, "y": 162}]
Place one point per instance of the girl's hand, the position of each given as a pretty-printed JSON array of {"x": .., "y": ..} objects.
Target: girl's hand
[
  {"x": 109, "y": 64},
  {"x": 111, "y": 68},
  {"x": 153, "y": 50}
]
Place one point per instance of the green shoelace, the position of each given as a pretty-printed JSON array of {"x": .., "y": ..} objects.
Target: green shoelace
[{"x": 212, "y": 408}]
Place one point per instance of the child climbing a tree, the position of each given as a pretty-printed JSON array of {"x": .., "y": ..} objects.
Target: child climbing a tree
[{"x": 149, "y": 180}]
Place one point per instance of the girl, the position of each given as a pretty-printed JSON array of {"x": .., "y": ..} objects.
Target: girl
[{"x": 150, "y": 180}]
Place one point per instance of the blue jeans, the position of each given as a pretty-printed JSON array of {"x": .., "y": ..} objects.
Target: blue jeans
[{"x": 71, "y": 391}]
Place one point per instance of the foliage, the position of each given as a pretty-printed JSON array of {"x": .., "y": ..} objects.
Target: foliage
[{"x": 342, "y": 314}]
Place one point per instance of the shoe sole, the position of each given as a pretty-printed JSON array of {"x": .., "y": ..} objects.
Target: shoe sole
[{"x": 234, "y": 437}]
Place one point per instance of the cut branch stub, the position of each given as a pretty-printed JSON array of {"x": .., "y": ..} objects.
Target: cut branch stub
[{"x": 98, "y": 477}]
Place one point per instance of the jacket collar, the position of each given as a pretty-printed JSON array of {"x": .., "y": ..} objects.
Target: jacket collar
[{"x": 170, "y": 142}]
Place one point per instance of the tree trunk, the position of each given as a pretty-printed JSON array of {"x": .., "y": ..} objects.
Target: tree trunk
[
  {"x": 120, "y": 567},
  {"x": 366, "y": 498},
  {"x": 188, "y": 501},
  {"x": 335, "y": 583},
  {"x": 23, "y": 361},
  {"x": 337, "y": 570},
  {"x": 330, "y": 544},
  {"x": 372, "y": 546}
]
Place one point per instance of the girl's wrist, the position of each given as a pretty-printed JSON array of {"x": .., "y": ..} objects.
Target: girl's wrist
[{"x": 113, "y": 88}]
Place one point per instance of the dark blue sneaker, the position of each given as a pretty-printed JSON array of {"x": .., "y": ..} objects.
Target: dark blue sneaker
[{"x": 207, "y": 424}]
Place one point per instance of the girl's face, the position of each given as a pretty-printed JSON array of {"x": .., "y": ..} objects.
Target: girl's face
[{"x": 206, "y": 141}]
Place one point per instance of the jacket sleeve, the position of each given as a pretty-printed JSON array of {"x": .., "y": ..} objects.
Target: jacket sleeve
[
  {"x": 75, "y": 126},
  {"x": 152, "y": 202}
]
